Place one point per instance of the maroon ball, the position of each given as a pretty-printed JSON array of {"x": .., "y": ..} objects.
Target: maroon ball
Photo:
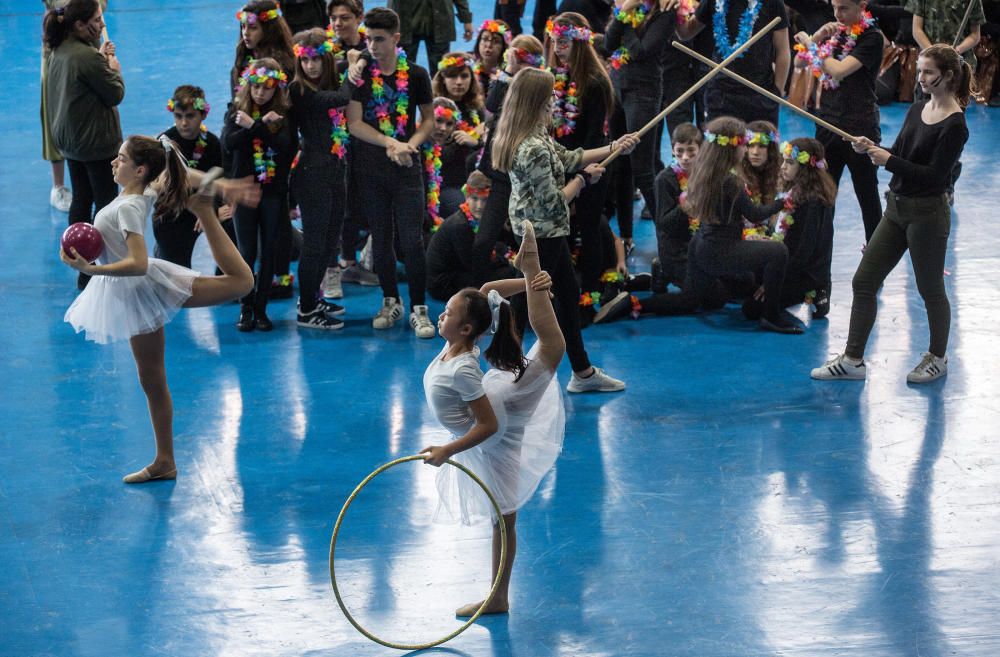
[{"x": 85, "y": 239}]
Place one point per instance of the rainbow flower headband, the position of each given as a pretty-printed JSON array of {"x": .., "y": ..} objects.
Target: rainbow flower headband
[
  {"x": 802, "y": 157},
  {"x": 266, "y": 76},
  {"x": 453, "y": 62},
  {"x": 728, "y": 140},
  {"x": 482, "y": 192},
  {"x": 310, "y": 52},
  {"x": 763, "y": 138},
  {"x": 490, "y": 25},
  {"x": 247, "y": 18},
  {"x": 526, "y": 57},
  {"x": 447, "y": 113},
  {"x": 198, "y": 104},
  {"x": 559, "y": 30}
]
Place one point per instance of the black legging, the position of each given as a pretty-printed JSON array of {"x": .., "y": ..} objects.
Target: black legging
[
  {"x": 94, "y": 187},
  {"x": 708, "y": 259},
  {"x": 589, "y": 206},
  {"x": 510, "y": 12},
  {"x": 555, "y": 259},
  {"x": 320, "y": 191},
  {"x": 623, "y": 188},
  {"x": 259, "y": 227},
  {"x": 175, "y": 238},
  {"x": 864, "y": 176}
]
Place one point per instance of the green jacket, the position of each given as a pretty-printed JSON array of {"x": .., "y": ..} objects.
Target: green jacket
[
  {"x": 444, "y": 21},
  {"x": 82, "y": 93}
]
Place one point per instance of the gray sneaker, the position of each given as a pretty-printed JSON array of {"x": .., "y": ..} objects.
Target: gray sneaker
[
  {"x": 599, "y": 381},
  {"x": 930, "y": 368},
  {"x": 331, "y": 284},
  {"x": 359, "y": 276}
]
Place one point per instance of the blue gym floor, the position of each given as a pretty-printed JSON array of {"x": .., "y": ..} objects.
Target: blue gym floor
[{"x": 724, "y": 505}]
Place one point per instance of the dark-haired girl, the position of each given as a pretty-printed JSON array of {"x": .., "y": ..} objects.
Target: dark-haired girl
[
  {"x": 132, "y": 296},
  {"x": 507, "y": 426},
  {"x": 456, "y": 81},
  {"x": 917, "y": 216},
  {"x": 263, "y": 33},
  {"x": 258, "y": 137},
  {"x": 762, "y": 163},
  {"x": 491, "y": 44}
]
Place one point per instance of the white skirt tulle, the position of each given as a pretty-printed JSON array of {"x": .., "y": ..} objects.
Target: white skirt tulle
[
  {"x": 113, "y": 308},
  {"x": 512, "y": 461}
]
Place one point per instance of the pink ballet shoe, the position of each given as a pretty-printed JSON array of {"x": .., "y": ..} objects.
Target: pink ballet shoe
[{"x": 143, "y": 476}]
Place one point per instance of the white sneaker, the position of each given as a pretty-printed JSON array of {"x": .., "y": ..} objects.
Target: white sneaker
[
  {"x": 331, "y": 284},
  {"x": 359, "y": 275},
  {"x": 931, "y": 367},
  {"x": 421, "y": 322},
  {"x": 840, "y": 369},
  {"x": 60, "y": 198},
  {"x": 599, "y": 381},
  {"x": 367, "y": 259},
  {"x": 390, "y": 313}
]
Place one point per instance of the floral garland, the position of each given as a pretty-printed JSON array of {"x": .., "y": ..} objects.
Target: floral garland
[
  {"x": 785, "y": 218},
  {"x": 497, "y": 27},
  {"x": 762, "y": 138},
  {"x": 198, "y": 104},
  {"x": 310, "y": 52},
  {"x": 524, "y": 57},
  {"x": 682, "y": 181},
  {"x": 685, "y": 12},
  {"x": 263, "y": 162},
  {"x": 469, "y": 126},
  {"x": 721, "y": 30},
  {"x": 845, "y": 39},
  {"x": 565, "y": 110},
  {"x": 633, "y": 17},
  {"x": 269, "y": 77},
  {"x": 727, "y": 140},
  {"x": 339, "y": 136},
  {"x": 802, "y": 157},
  {"x": 560, "y": 30},
  {"x": 591, "y": 299},
  {"x": 473, "y": 224},
  {"x": 432, "y": 167},
  {"x": 248, "y": 18},
  {"x": 339, "y": 50},
  {"x": 199, "y": 147},
  {"x": 402, "y": 100},
  {"x": 619, "y": 58},
  {"x": 447, "y": 113},
  {"x": 453, "y": 62}
]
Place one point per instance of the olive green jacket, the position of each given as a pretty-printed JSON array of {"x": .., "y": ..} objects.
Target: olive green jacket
[
  {"x": 444, "y": 18},
  {"x": 83, "y": 93}
]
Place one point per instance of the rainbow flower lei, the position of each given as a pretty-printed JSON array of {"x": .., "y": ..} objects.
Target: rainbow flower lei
[
  {"x": 682, "y": 181},
  {"x": 198, "y": 103},
  {"x": 339, "y": 51},
  {"x": 263, "y": 162},
  {"x": 269, "y": 77},
  {"x": 802, "y": 157},
  {"x": 685, "y": 11},
  {"x": 559, "y": 30},
  {"x": 199, "y": 147},
  {"x": 473, "y": 224},
  {"x": 721, "y": 30},
  {"x": 762, "y": 138},
  {"x": 469, "y": 126},
  {"x": 785, "y": 218},
  {"x": 619, "y": 58},
  {"x": 727, "y": 140},
  {"x": 310, "y": 52},
  {"x": 432, "y": 167},
  {"x": 339, "y": 136},
  {"x": 248, "y": 18},
  {"x": 497, "y": 27},
  {"x": 382, "y": 109},
  {"x": 845, "y": 39},
  {"x": 565, "y": 110},
  {"x": 633, "y": 17},
  {"x": 591, "y": 299}
]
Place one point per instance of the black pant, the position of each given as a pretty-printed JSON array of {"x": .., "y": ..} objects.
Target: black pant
[
  {"x": 864, "y": 176},
  {"x": 175, "y": 238},
  {"x": 354, "y": 232},
  {"x": 320, "y": 191},
  {"x": 589, "y": 205},
  {"x": 623, "y": 185},
  {"x": 640, "y": 106},
  {"x": 94, "y": 187},
  {"x": 744, "y": 104},
  {"x": 509, "y": 12},
  {"x": 435, "y": 49},
  {"x": 259, "y": 228},
  {"x": 708, "y": 259},
  {"x": 394, "y": 202},
  {"x": 555, "y": 259},
  {"x": 543, "y": 10}
]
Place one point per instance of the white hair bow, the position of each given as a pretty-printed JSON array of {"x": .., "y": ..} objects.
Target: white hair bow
[{"x": 495, "y": 301}]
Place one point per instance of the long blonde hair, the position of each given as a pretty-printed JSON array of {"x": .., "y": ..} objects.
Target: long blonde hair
[{"x": 529, "y": 94}]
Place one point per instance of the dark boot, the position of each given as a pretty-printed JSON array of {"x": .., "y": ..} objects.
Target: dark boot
[
  {"x": 260, "y": 319},
  {"x": 245, "y": 322}
]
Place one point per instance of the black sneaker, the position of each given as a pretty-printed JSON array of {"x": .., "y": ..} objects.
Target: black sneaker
[
  {"x": 261, "y": 321},
  {"x": 821, "y": 304},
  {"x": 317, "y": 319},
  {"x": 330, "y": 308},
  {"x": 658, "y": 279},
  {"x": 782, "y": 323},
  {"x": 617, "y": 307},
  {"x": 641, "y": 282},
  {"x": 245, "y": 322}
]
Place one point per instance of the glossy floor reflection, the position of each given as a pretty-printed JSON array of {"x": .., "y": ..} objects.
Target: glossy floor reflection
[{"x": 724, "y": 505}]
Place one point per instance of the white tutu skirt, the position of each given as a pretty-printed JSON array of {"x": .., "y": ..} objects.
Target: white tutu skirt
[
  {"x": 113, "y": 308},
  {"x": 512, "y": 461}
]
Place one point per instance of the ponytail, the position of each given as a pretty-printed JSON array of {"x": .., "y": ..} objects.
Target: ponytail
[
  {"x": 946, "y": 58},
  {"x": 162, "y": 156},
  {"x": 58, "y": 23},
  {"x": 967, "y": 88},
  {"x": 504, "y": 352}
]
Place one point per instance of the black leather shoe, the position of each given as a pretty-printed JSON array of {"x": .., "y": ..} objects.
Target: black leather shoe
[
  {"x": 821, "y": 305},
  {"x": 245, "y": 322},
  {"x": 261, "y": 320}
]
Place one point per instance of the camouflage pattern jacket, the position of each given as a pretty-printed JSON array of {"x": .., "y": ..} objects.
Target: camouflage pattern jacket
[{"x": 537, "y": 177}]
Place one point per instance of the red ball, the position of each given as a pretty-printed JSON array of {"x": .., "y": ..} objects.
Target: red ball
[{"x": 85, "y": 239}]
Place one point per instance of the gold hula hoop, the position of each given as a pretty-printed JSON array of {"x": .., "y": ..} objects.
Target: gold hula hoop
[{"x": 496, "y": 582}]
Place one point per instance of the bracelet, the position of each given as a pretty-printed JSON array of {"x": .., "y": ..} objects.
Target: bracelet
[{"x": 585, "y": 177}]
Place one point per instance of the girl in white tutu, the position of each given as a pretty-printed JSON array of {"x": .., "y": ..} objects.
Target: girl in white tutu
[
  {"x": 131, "y": 296},
  {"x": 508, "y": 424}
]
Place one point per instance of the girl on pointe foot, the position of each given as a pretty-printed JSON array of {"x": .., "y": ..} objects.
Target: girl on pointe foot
[
  {"x": 132, "y": 296},
  {"x": 507, "y": 425}
]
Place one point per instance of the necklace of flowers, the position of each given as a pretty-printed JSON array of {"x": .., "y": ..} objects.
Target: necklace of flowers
[
  {"x": 263, "y": 162},
  {"x": 432, "y": 167},
  {"x": 721, "y": 30},
  {"x": 682, "y": 181},
  {"x": 339, "y": 135},
  {"x": 619, "y": 58},
  {"x": 785, "y": 218},
  {"x": 469, "y": 126},
  {"x": 685, "y": 11},
  {"x": 473, "y": 224},
  {"x": 339, "y": 49},
  {"x": 382, "y": 109},
  {"x": 565, "y": 110},
  {"x": 633, "y": 17},
  {"x": 845, "y": 38},
  {"x": 199, "y": 147}
]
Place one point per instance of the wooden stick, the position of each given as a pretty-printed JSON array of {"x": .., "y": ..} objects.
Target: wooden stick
[
  {"x": 717, "y": 68},
  {"x": 776, "y": 98},
  {"x": 965, "y": 21}
]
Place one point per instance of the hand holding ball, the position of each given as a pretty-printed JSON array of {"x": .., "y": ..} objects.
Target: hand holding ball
[{"x": 85, "y": 239}]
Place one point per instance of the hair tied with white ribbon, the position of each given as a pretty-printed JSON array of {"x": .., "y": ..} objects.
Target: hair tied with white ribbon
[
  {"x": 165, "y": 140},
  {"x": 495, "y": 301}
]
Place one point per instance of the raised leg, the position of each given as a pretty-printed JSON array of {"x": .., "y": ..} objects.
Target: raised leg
[
  {"x": 541, "y": 315},
  {"x": 237, "y": 277}
]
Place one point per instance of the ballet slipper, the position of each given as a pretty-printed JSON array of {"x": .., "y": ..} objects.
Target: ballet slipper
[
  {"x": 470, "y": 610},
  {"x": 143, "y": 476},
  {"x": 528, "y": 244},
  {"x": 207, "y": 186}
]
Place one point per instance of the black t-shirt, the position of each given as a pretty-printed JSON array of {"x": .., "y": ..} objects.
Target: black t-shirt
[
  {"x": 924, "y": 156},
  {"x": 211, "y": 156},
  {"x": 853, "y": 105},
  {"x": 756, "y": 63},
  {"x": 419, "y": 90}
]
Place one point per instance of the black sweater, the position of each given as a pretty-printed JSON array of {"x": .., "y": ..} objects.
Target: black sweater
[
  {"x": 808, "y": 240},
  {"x": 670, "y": 215},
  {"x": 450, "y": 251},
  {"x": 644, "y": 71},
  {"x": 590, "y": 125},
  {"x": 734, "y": 205},
  {"x": 311, "y": 118},
  {"x": 494, "y": 102},
  {"x": 238, "y": 142},
  {"x": 924, "y": 155}
]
